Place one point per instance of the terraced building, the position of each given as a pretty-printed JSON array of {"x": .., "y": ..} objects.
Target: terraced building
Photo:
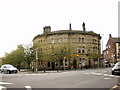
[{"x": 67, "y": 48}]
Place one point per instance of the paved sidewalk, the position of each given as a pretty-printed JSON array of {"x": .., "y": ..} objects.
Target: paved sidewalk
[
  {"x": 55, "y": 71},
  {"x": 52, "y": 71}
]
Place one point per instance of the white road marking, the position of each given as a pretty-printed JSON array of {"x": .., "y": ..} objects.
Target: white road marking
[
  {"x": 28, "y": 87},
  {"x": 20, "y": 75},
  {"x": 5, "y": 83},
  {"x": 97, "y": 73},
  {"x": 110, "y": 75},
  {"x": 3, "y": 88},
  {"x": 107, "y": 78}
]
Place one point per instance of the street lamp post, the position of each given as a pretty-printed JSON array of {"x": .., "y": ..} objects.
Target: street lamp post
[
  {"x": 64, "y": 63},
  {"x": 102, "y": 43},
  {"x": 36, "y": 60},
  {"x": 113, "y": 56}
]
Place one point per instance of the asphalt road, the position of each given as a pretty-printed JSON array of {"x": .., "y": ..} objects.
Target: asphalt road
[{"x": 94, "y": 78}]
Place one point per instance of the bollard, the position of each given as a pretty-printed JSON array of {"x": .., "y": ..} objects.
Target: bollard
[{"x": 44, "y": 68}]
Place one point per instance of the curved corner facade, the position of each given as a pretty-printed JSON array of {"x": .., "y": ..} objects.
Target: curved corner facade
[{"x": 65, "y": 49}]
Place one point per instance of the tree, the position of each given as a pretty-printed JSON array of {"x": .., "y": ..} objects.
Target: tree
[
  {"x": 94, "y": 57},
  {"x": 19, "y": 55},
  {"x": 16, "y": 57},
  {"x": 29, "y": 55}
]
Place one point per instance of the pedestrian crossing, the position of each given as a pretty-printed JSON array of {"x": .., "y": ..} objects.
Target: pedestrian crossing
[
  {"x": 101, "y": 74},
  {"x": 107, "y": 76},
  {"x": 104, "y": 73},
  {"x": 6, "y": 83}
]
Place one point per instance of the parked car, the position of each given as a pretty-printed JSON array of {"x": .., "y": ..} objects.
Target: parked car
[
  {"x": 106, "y": 63},
  {"x": 8, "y": 68},
  {"x": 116, "y": 69}
]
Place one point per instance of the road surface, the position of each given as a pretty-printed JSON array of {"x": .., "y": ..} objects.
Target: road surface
[{"x": 92, "y": 78}]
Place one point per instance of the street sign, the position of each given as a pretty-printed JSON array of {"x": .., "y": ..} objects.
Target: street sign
[{"x": 75, "y": 55}]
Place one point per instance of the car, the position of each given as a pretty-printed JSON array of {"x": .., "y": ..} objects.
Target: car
[
  {"x": 8, "y": 68},
  {"x": 116, "y": 69},
  {"x": 106, "y": 63}
]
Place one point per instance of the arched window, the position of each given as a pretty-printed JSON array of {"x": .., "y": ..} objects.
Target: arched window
[
  {"x": 60, "y": 39},
  {"x": 52, "y": 40},
  {"x": 65, "y": 39},
  {"x": 79, "y": 39},
  {"x": 79, "y": 49},
  {"x": 94, "y": 49},
  {"x": 83, "y": 49},
  {"x": 82, "y": 39}
]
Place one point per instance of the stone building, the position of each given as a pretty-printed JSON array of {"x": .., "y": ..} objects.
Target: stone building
[
  {"x": 67, "y": 48},
  {"x": 112, "y": 51},
  {"x": 0, "y": 61}
]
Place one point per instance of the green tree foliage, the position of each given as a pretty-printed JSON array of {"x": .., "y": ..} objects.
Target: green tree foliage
[
  {"x": 94, "y": 56},
  {"x": 29, "y": 55},
  {"x": 16, "y": 57}
]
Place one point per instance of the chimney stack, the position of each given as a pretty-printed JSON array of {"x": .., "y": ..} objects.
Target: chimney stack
[
  {"x": 70, "y": 28},
  {"x": 83, "y": 25},
  {"x": 110, "y": 36}
]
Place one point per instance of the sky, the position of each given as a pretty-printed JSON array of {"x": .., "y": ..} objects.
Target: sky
[{"x": 22, "y": 20}]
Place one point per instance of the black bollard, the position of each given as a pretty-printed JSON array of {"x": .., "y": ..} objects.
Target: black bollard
[
  {"x": 44, "y": 68},
  {"x": 57, "y": 68}
]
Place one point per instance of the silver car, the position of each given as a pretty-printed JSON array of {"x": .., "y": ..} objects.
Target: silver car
[
  {"x": 116, "y": 69},
  {"x": 8, "y": 68}
]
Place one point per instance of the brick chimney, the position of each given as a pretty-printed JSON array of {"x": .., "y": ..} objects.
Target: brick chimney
[{"x": 110, "y": 36}]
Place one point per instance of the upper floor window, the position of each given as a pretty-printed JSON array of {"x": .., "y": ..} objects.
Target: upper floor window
[
  {"x": 41, "y": 51},
  {"x": 118, "y": 44},
  {"x": 65, "y": 39},
  {"x": 79, "y": 39},
  {"x": 52, "y": 40},
  {"x": 119, "y": 50},
  {"x": 40, "y": 41},
  {"x": 82, "y": 39},
  {"x": 107, "y": 52},
  {"x": 94, "y": 49},
  {"x": 94, "y": 40},
  {"x": 60, "y": 39},
  {"x": 81, "y": 49}
]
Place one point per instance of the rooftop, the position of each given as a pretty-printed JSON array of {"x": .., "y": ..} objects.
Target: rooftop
[{"x": 68, "y": 32}]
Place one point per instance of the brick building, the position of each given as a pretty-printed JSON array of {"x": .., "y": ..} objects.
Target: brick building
[{"x": 112, "y": 51}]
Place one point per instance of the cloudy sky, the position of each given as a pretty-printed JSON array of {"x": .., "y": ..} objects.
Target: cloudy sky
[{"x": 22, "y": 20}]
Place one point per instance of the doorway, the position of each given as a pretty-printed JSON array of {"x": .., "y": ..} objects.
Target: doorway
[{"x": 53, "y": 65}]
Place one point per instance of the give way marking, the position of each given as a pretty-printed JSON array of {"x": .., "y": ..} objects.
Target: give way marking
[
  {"x": 5, "y": 83},
  {"x": 4, "y": 88},
  {"x": 28, "y": 87}
]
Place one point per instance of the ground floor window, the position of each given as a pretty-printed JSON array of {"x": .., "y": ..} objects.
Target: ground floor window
[{"x": 48, "y": 64}]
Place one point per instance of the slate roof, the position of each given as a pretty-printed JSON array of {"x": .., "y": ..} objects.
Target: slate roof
[{"x": 116, "y": 39}]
